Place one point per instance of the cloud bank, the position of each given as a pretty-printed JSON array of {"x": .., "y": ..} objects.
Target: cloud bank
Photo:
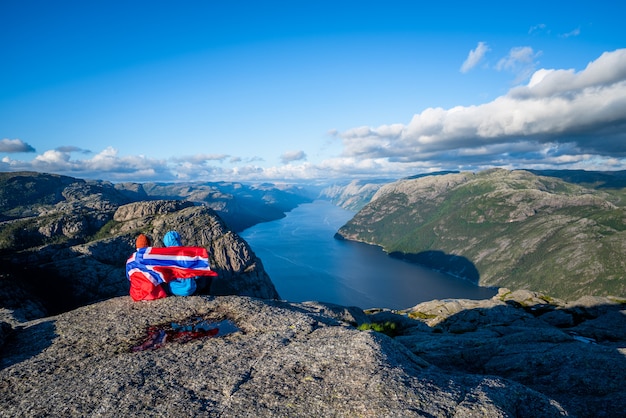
[
  {"x": 14, "y": 145},
  {"x": 291, "y": 156},
  {"x": 560, "y": 118}
]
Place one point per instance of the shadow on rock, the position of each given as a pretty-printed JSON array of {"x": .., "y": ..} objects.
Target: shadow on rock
[
  {"x": 23, "y": 343},
  {"x": 572, "y": 352}
]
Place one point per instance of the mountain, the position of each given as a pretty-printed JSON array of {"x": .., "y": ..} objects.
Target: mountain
[
  {"x": 239, "y": 205},
  {"x": 38, "y": 209},
  {"x": 73, "y": 343},
  {"x": 357, "y": 193},
  {"x": 27, "y": 194},
  {"x": 593, "y": 179},
  {"x": 503, "y": 228},
  {"x": 48, "y": 279},
  {"x": 64, "y": 243},
  {"x": 353, "y": 195}
]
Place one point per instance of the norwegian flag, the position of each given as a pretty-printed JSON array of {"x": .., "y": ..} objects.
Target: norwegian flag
[{"x": 162, "y": 265}]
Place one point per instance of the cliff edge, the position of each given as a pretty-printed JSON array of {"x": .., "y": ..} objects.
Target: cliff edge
[
  {"x": 515, "y": 355},
  {"x": 274, "y": 359}
]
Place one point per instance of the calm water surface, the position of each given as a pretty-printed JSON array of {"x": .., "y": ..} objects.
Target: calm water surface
[{"x": 306, "y": 262}]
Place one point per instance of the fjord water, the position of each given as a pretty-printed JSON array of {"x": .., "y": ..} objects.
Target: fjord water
[{"x": 306, "y": 262}]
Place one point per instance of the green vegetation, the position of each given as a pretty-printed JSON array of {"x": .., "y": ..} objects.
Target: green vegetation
[
  {"x": 519, "y": 230},
  {"x": 106, "y": 231},
  {"x": 28, "y": 189},
  {"x": 420, "y": 315},
  {"x": 24, "y": 233},
  {"x": 388, "y": 328}
]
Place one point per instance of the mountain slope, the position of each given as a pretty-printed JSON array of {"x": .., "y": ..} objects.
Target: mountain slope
[
  {"x": 354, "y": 195},
  {"x": 239, "y": 205},
  {"x": 518, "y": 230},
  {"x": 64, "y": 241}
]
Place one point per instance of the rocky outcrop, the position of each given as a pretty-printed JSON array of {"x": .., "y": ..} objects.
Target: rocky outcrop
[
  {"x": 573, "y": 352},
  {"x": 519, "y": 354},
  {"x": 275, "y": 359},
  {"x": 239, "y": 270},
  {"x": 39, "y": 209},
  {"x": 63, "y": 277},
  {"x": 144, "y": 209},
  {"x": 26, "y": 194}
]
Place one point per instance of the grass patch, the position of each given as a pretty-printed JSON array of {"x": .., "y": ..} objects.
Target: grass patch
[
  {"x": 388, "y": 328},
  {"x": 106, "y": 231},
  {"x": 421, "y": 315}
]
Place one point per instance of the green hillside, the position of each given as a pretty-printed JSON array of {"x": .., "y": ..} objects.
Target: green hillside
[{"x": 518, "y": 229}]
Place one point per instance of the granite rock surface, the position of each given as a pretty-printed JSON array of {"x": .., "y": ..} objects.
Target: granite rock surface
[{"x": 278, "y": 359}]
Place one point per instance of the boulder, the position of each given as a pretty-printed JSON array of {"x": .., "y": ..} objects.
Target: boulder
[
  {"x": 571, "y": 352},
  {"x": 144, "y": 209}
]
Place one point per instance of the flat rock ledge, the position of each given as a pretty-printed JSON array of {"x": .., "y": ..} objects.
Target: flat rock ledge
[{"x": 283, "y": 360}]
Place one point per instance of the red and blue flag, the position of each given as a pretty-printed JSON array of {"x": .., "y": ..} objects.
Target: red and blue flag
[{"x": 162, "y": 265}]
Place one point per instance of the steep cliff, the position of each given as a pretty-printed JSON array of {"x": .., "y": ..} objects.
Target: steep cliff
[
  {"x": 65, "y": 274},
  {"x": 354, "y": 195},
  {"x": 503, "y": 228}
]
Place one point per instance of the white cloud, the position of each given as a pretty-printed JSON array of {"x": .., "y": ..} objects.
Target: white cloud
[
  {"x": 474, "y": 57},
  {"x": 105, "y": 165},
  {"x": 571, "y": 33},
  {"x": 561, "y": 118},
  {"x": 202, "y": 158},
  {"x": 290, "y": 156},
  {"x": 53, "y": 157},
  {"x": 519, "y": 55},
  {"x": 541, "y": 27},
  {"x": 520, "y": 61},
  {"x": 14, "y": 145},
  {"x": 585, "y": 111}
]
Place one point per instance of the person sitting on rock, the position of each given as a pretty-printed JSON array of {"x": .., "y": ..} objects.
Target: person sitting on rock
[
  {"x": 179, "y": 287},
  {"x": 149, "y": 269},
  {"x": 141, "y": 287}
]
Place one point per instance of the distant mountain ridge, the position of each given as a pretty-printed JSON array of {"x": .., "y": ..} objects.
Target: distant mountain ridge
[
  {"x": 354, "y": 195},
  {"x": 357, "y": 193},
  {"x": 516, "y": 229},
  {"x": 593, "y": 179},
  {"x": 64, "y": 241},
  {"x": 24, "y": 194}
]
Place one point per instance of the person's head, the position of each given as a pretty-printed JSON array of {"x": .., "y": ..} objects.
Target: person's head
[
  {"x": 172, "y": 239},
  {"x": 142, "y": 241}
]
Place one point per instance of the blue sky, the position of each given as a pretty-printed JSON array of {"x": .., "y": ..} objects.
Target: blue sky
[{"x": 309, "y": 90}]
